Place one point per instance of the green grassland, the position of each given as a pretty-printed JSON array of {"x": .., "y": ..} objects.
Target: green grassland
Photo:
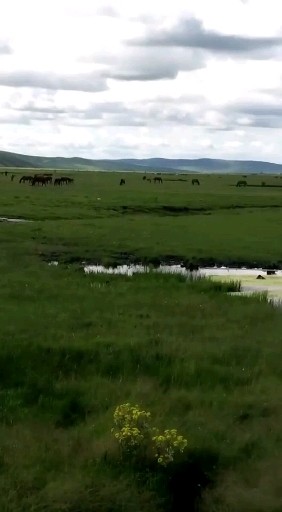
[
  {"x": 74, "y": 346},
  {"x": 100, "y": 221}
]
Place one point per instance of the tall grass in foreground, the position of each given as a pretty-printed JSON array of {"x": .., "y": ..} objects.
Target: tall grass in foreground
[{"x": 73, "y": 347}]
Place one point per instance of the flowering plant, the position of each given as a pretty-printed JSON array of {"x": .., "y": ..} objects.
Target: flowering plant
[
  {"x": 167, "y": 445},
  {"x": 133, "y": 431}
]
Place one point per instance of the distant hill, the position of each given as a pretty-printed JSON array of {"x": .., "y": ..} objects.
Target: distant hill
[{"x": 142, "y": 165}]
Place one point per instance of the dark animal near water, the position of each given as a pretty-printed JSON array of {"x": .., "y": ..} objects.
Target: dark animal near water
[
  {"x": 158, "y": 179},
  {"x": 260, "y": 277},
  {"x": 122, "y": 182},
  {"x": 195, "y": 182},
  {"x": 241, "y": 183}
]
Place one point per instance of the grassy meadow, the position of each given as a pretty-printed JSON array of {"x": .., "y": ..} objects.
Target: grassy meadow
[
  {"x": 100, "y": 221},
  {"x": 74, "y": 346}
]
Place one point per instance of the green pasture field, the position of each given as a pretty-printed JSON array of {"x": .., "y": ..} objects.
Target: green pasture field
[
  {"x": 100, "y": 221},
  {"x": 74, "y": 346}
]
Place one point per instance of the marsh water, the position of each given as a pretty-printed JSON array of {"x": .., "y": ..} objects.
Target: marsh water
[
  {"x": 271, "y": 284},
  {"x": 8, "y": 219}
]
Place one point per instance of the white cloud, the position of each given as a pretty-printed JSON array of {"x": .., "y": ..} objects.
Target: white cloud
[{"x": 206, "y": 81}]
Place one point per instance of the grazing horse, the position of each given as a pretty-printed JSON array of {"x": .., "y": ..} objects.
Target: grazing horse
[
  {"x": 144, "y": 178},
  {"x": 195, "y": 182},
  {"x": 241, "y": 183},
  {"x": 23, "y": 179},
  {"x": 40, "y": 180},
  {"x": 158, "y": 179},
  {"x": 122, "y": 182},
  {"x": 66, "y": 180}
]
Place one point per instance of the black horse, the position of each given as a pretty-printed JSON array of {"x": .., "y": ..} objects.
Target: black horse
[
  {"x": 158, "y": 179},
  {"x": 122, "y": 182},
  {"x": 195, "y": 182},
  {"x": 40, "y": 180},
  {"x": 64, "y": 180},
  {"x": 23, "y": 179}
]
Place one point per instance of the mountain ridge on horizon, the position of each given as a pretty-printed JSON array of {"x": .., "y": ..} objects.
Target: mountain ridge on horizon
[{"x": 173, "y": 165}]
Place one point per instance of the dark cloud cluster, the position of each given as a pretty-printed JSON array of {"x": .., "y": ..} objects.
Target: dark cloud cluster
[
  {"x": 263, "y": 114},
  {"x": 145, "y": 64},
  {"x": 191, "y": 33},
  {"x": 87, "y": 82},
  {"x": 163, "y": 53}
]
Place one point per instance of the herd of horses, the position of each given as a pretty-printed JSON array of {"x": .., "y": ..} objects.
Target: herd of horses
[
  {"x": 46, "y": 179},
  {"x": 156, "y": 179}
]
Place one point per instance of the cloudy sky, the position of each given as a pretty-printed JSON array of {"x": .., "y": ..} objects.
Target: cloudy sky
[{"x": 142, "y": 78}]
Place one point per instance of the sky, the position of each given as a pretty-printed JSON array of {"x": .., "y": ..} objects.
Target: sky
[{"x": 142, "y": 78}]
